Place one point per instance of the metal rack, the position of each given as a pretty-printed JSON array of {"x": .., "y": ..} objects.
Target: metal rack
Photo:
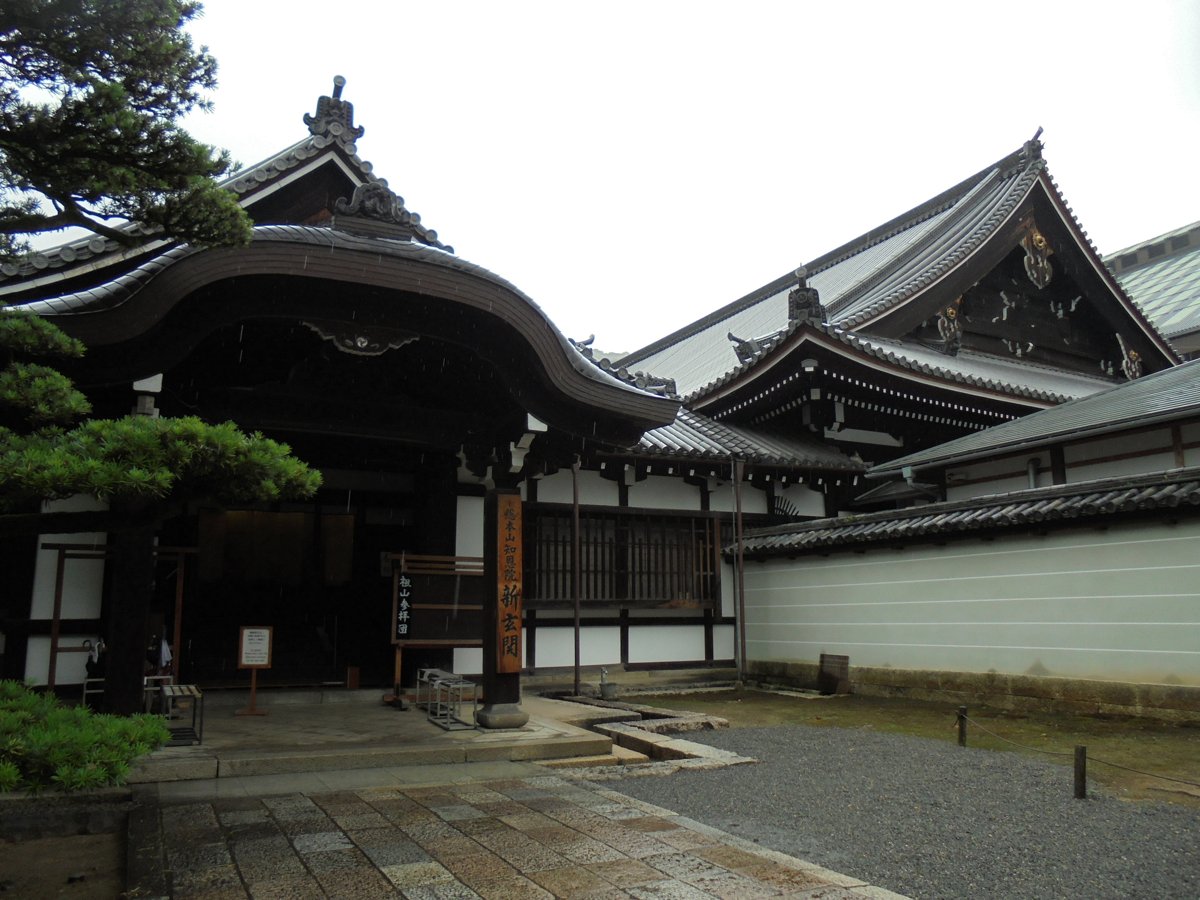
[
  {"x": 171, "y": 694},
  {"x": 150, "y": 689},
  {"x": 93, "y": 688},
  {"x": 444, "y": 697}
]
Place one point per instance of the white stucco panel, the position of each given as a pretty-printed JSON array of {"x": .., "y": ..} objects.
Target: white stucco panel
[
  {"x": 71, "y": 668},
  {"x": 468, "y": 527},
  {"x": 664, "y": 492},
  {"x": 594, "y": 489},
  {"x": 598, "y": 646},
  {"x": 1120, "y": 604},
  {"x": 83, "y": 579},
  {"x": 666, "y": 643}
]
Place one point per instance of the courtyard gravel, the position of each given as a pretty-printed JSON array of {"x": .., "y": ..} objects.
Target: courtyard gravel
[{"x": 931, "y": 819}]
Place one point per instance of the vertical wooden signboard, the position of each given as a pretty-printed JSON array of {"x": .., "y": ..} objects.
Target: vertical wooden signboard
[
  {"x": 508, "y": 583},
  {"x": 254, "y": 653}
]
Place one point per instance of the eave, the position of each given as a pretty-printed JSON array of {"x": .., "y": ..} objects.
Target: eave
[{"x": 570, "y": 389}]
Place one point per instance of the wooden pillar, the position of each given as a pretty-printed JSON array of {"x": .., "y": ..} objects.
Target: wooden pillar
[{"x": 504, "y": 593}]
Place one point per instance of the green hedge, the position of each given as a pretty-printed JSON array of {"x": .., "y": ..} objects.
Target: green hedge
[{"x": 44, "y": 744}]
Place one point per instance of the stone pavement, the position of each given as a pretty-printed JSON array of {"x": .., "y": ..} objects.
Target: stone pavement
[{"x": 502, "y": 829}]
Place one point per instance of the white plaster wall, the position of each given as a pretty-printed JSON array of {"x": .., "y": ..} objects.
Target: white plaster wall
[
  {"x": 728, "y": 588},
  {"x": 1121, "y": 604},
  {"x": 1137, "y": 465},
  {"x": 468, "y": 528},
  {"x": 998, "y": 486},
  {"x": 593, "y": 489},
  {"x": 1112, "y": 445},
  {"x": 665, "y": 643},
  {"x": 724, "y": 637},
  {"x": 469, "y": 660},
  {"x": 83, "y": 579},
  {"x": 1190, "y": 434},
  {"x": 71, "y": 668},
  {"x": 664, "y": 492},
  {"x": 598, "y": 646},
  {"x": 753, "y": 500}
]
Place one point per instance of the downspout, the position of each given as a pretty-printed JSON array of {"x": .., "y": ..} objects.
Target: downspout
[
  {"x": 740, "y": 599},
  {"x": 575, "y": 592},
  {"x": 1031, "y": 470}
]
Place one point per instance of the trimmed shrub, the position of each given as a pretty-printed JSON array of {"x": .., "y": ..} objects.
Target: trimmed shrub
[{"x": 44, "y": 744}]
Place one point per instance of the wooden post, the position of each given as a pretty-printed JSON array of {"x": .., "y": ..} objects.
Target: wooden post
[
  {"x": 502, "y": 553},
  {"x": 56, "y": 622},
  {"x": 1081, "y": 773},
  {"x": 962, "y": 726},
  {"x": 177, "y": 637},
  {"x": 254, "y": 653},
  {"x": 575, "y": 591},
  {"x": 252, "y": 709},
  {"x": 741, "y": 570}
]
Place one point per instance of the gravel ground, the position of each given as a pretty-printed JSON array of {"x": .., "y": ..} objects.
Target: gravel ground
[{"x": 931, "y": 819}]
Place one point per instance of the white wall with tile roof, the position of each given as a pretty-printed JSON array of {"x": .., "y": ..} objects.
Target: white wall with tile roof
[{"x": 1121, "y": 604}]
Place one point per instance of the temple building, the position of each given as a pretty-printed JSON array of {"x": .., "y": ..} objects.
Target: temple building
[{"x": 419, "y": 383}]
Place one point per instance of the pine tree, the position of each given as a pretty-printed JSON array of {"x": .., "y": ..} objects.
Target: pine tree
[
  {"x": 91, "y": 97},
  {"x": 91, "y": 93}
]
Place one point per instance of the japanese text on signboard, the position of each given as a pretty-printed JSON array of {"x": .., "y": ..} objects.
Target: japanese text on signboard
[
  {"x": 509, "y": 572},
  {"x": 403, "y": 606}
]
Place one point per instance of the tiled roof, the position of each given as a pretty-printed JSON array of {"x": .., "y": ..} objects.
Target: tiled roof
[
  {"x": 874, "y": 275},
  {"x": 1163, "y": 276},
  {"x": 693, "y": 436},
  {"x": 331, "y": 131},
  {"x": 859, "y": 280},
  {"x": 1040, "y": 506},
  {"x": 1002, "y": 375},
  {"x": 639, "y": 379},
  {"x": 1162, "y": 396},
  {"x": 113, "y": 293}
]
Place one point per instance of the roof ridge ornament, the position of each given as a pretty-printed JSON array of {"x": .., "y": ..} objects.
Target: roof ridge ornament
[
  {"x": 375, "y": 200},
  {"x": 375, "y": 210},
  {"x": 1032, "y": 149},
  {"x": 644, "y": 381},
  {"x": 335, "y": 116},
  {"x": 804, "y": 302}
]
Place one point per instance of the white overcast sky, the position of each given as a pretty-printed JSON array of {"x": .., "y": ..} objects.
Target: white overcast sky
[{"x": 632, "y": 166}]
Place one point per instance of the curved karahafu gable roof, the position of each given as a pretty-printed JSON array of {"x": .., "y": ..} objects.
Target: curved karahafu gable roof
[
  {"x": 131, "y": 305},
  {"x": 1165, "y": 396},
  {"x": 339, "y": 225},
  {"x": 884, "y": 281}
]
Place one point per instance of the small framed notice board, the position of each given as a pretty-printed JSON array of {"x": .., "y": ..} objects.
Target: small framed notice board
[{"x": 254, "y": 647}]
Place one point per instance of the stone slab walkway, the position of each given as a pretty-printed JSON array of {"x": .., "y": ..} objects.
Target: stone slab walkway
[{"x": 538, "y": 836}]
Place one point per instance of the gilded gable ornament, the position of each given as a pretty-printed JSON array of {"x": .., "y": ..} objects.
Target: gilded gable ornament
[
  {"x": 1037, "y": 257},
  {"x": 949, "y": 327},
  {"x": 1131, "y": 360}
]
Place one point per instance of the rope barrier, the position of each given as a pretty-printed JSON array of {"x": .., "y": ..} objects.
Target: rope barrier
[
  {"x": 1090, "y": 758},
  {"x": 1015, "y": 743},
  {"x": 1147, "y": 774}
]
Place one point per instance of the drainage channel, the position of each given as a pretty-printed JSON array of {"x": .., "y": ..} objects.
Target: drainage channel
[{"x": 649, "y": 737}]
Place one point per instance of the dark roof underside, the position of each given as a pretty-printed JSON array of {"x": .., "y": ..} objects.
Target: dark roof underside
[{"x": 1163, "y": 396}]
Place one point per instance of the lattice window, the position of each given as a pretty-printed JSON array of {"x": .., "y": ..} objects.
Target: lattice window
[{"x": 626, "y": 559}]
